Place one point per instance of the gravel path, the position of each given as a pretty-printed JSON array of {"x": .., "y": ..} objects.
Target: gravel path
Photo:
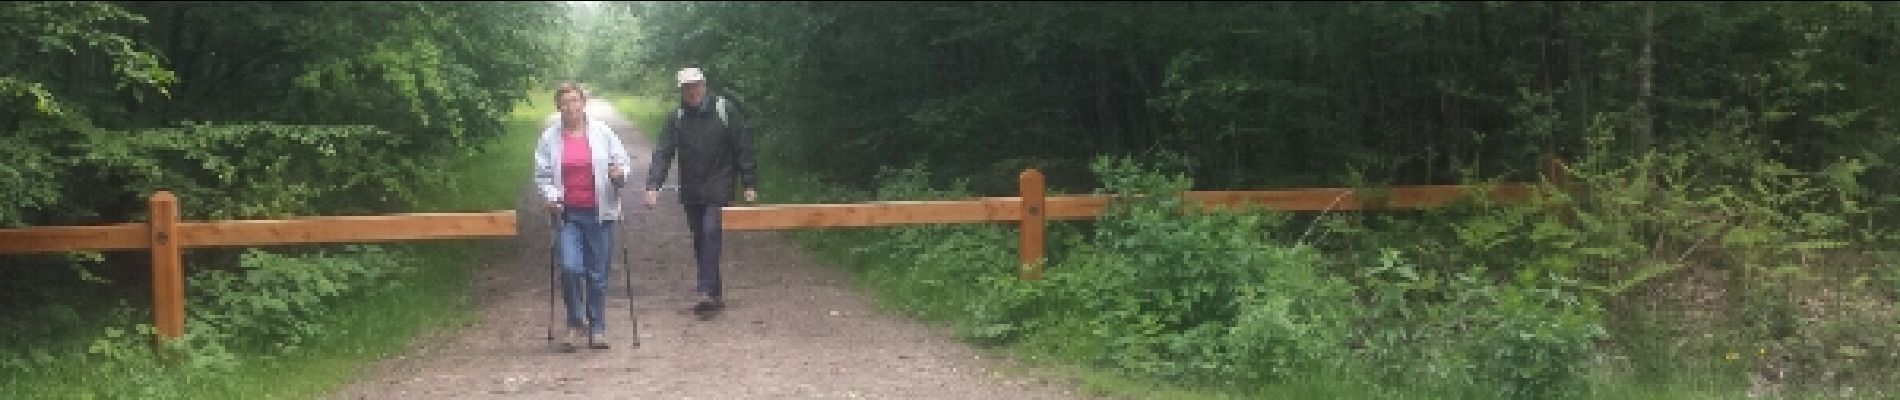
[{"x": 793, "y": 328}]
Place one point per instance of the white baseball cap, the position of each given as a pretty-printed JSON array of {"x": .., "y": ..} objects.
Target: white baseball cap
[{"x": 691, "y": 75}]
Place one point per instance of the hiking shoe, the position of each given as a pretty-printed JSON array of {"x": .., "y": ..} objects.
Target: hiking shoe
[
  {"x": 597, "y": 341},
  {"x": 706, "y": 308},
  {"x": 713, "y": 304},
  {"x": 571, "y": 340}
]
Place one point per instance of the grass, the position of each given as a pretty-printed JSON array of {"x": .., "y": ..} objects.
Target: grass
[
  {"x": 364, "y": 329},
  {"x": 490, "y": 179}
]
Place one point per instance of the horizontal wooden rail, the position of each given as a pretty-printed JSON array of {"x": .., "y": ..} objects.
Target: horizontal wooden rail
[
  {"x": 166, "y": 237},
  {"x": 997, "y": 209},
  {"x": 1008, "y": 209},
  {"x": 1030, "y": 214},
  {"x": 1413, "y": 197},
  {"x": 340, "y": 229},
  {"x": 377, "y": 228},
  {"x": 55, "y": 239}
]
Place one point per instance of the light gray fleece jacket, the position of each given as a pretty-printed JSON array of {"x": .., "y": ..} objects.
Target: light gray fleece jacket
[{"x": 607, "y": 151}]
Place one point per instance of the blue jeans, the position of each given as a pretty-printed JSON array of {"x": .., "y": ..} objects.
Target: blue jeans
[
  {"x": 586, "y": 244},
  {"x": 704, "y": 221}
]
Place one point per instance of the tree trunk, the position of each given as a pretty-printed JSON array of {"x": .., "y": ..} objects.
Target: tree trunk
[
  {"x": 1645, "y": 113},
  {"x": 1578, "y": 90}
]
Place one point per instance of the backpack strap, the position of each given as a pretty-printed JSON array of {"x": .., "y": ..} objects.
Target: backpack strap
[{"x": 719, "y": 105}]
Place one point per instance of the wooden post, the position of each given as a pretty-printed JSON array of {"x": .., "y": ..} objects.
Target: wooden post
[
  {"x": 168, "y": 280},
  {"x": 1030, "y": 184},
  {"x": 1555, "y": 172}
]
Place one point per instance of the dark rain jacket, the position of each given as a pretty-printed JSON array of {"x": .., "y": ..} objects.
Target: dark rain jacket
[{"x": 712, "y": 153}]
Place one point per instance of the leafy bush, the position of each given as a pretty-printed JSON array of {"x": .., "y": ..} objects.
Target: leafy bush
[
  {"x": 1475, "y": 300},
  {"x": 1777, "y": 247},
  {"x": 269, "y": 306},
  {"x": 1459, "y": 333},
  {"x": 1161, "y": 290},
  {"x": 261, "y": 170},
  {"x": 276, "y": 301}
]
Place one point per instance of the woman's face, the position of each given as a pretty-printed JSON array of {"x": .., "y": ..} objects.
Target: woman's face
[{"x": 572, "y": 104}]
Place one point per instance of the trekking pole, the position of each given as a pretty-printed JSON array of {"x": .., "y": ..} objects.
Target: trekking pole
[
  {"x": 554, "y": 231},
  {"x": 626, "y": 265}
]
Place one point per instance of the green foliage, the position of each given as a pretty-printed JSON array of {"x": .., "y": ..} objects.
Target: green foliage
[
  {"x": 272, "y": 306},
  {"x": 272, "y": 324},
  {"x": 219, "y": 171},
  {"x": 1732, "y": 170},
  {"x": 244, "y": 110},
  {"x": 1477, "y": 300},
  {"x": 277, "y": 302},
  {"x": 1151, "y": 291},
  {"x": 1459, "y": 334},
  {"x": 1278, "y": 93},
  {"x": 1764, "y": 250},
  {"x": 127, "y": 365},
  {"x": 71, "y": 29},
  {"x": 1208, "y": 279},
  {"x": 42, "y": 92},
  {"x": 268, "y": 108}
]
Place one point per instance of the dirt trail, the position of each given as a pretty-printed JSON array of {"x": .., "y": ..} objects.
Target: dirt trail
[{"x": 793, "y": 328}]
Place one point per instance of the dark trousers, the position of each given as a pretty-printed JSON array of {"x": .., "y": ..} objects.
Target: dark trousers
[{"x": 704, "y": 221}]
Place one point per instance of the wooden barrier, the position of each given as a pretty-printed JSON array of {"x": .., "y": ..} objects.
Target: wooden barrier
[
  {"x": 57, "y": 239},
  {"x": 378, "y": 228},
  {"x": 1011, "y": 209},
  {"x": 168, "y": 270},
  {"x": 134, "y": 236},
  {"x": 167, "y": 237},
  {"x": 1030, "y": 249},
  {"x": 1031, "y": 209}
]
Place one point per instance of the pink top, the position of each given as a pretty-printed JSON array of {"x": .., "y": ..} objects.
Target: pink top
[{"x": 577, "y": 172}]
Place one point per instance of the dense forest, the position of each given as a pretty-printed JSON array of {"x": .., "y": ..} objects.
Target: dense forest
[
  {"x": 1281, "y": 93},
  {"x": 1732, "y": 166},
  {"x": 250, "y": 108},
  {"x": 244, "y": 110}
]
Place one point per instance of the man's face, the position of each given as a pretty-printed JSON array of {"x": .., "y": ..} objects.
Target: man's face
[{"x": 694, "y": 91}]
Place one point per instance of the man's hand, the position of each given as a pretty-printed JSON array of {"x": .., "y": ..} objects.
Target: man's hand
[
  {"x": 751, "y": 195},
  {"x": 554, "y": 207},
  {"x": 617, "y": 172},
  {"x": 653, "y": 197}
]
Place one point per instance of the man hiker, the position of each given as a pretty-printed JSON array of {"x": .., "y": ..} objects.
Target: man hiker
[{"x": 714, "y": 150}]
